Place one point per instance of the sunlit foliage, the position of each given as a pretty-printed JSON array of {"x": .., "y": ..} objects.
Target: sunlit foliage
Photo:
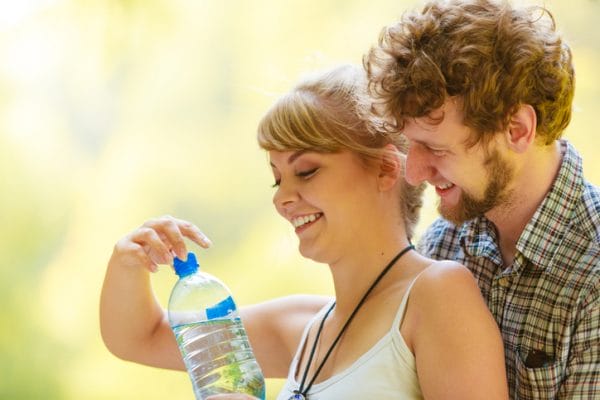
[{"x": 115, "y": 111}]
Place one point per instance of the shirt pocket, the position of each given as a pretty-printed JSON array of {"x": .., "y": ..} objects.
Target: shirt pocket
[{"x": 538, "y": 383}]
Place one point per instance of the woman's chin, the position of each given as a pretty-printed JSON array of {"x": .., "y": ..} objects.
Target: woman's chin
[{"x": 311, "y": 253}]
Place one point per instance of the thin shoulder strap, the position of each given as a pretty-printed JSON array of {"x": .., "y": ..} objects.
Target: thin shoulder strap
[
  {"x": 302, "y": 343},
  {"x": 402, "y": 308}
]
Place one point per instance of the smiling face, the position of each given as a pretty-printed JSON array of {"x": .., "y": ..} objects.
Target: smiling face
[
  {"x": 328, "y": 115},
  {"x": 329, "y": 198},
  {"x": 470, "y": 181}
]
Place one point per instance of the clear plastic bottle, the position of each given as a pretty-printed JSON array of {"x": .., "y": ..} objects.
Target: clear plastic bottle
[{"x": 210, "y": 335}]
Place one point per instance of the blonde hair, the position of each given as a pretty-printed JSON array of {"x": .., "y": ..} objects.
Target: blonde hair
[{"x": 329, "y": 112}]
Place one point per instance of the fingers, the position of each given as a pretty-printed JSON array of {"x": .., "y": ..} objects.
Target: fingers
[
  {"x": 152, "y": 244},
  {"x": 131, "y": 255},
  {"x": 172, "y": 232},
  {"x": 158, "y": 240},
  {"x": 170, "y": 236},
  {"x": 192, "y": 232}
]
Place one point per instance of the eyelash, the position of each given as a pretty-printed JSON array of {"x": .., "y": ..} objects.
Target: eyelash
[
  {"x": 438, "y": 153},
  {"x": 307, "y": 173},
  {"x": 300, "y": 174}
]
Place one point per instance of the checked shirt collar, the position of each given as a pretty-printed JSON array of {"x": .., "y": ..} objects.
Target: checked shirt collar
[{"x": 544, "y": 233}]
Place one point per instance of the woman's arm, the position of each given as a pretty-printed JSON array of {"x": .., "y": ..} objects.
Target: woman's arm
[
  {"x": 456, "y": 342},
  {"x": 275, "y": 328},
  {"x": 134, "y": 326}
]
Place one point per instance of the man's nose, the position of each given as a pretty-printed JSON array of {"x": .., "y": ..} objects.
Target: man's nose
[{"x": 418, "y": 165}]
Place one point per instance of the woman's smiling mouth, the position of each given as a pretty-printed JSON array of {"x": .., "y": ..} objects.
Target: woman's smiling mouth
[{"x": 305, "y": 220}]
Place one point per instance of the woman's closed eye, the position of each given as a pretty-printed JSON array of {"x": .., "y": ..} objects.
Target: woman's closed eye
[
  {"x": 305, "y": 174},
  {"x": 437, "y": 152}
]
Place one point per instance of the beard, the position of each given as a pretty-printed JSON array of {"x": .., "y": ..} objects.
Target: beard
[{"x": 500, "y": 174}]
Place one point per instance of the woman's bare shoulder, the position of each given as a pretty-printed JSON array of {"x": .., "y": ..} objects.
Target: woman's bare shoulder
[
  {"x": 446, "y": 285},
  {"x": 446, "y": 276}
]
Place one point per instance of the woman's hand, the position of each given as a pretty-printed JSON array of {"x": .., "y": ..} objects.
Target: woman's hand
[
  {"x": 156, "y": 242},
  {"x": 133, "y": 324}
]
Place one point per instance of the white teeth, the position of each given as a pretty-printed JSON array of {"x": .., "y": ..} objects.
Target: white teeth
[
  {"x": 445, "y": 186},
  {"x": 299, "y": 221}
]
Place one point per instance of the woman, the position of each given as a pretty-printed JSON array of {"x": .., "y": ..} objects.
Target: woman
[{"x": 401, "y": 326}]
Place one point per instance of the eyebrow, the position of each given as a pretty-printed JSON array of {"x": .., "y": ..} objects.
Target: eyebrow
[
  {"x": 292, "y": 157},
  {"x": 295, "y": 155},
  {"x": 429, "y": 145}
]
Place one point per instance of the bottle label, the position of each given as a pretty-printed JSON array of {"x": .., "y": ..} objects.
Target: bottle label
[{"x": 221, "y": 309}]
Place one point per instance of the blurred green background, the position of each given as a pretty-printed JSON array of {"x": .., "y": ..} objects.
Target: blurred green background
[{"x": 112, "y": 112}]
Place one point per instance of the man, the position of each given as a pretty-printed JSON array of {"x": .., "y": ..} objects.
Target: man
[{"x": 483, "y": 91}]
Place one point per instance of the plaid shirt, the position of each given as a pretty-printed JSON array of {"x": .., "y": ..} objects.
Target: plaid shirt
[{"x": 547, "y": 302}]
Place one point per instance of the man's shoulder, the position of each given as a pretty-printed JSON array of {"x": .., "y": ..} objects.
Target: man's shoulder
[
  {"x": 442, "y": 226},
  {"x": 581, "y": 197},
  {"x": 579, "y": 255},
  {"x": 441, "y": 240},
  {"x": 587, "y": 214}
]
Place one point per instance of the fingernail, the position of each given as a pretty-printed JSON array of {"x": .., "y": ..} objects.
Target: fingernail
[
  {"x": 206, "y": 240},
  {"x": 202, "y": 239}
]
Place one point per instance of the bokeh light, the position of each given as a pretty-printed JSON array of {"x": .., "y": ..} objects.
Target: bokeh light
[{"x": 115, "y": 111}]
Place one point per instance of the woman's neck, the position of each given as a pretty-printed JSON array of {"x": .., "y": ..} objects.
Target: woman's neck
[{"x": 354, "y": 273}]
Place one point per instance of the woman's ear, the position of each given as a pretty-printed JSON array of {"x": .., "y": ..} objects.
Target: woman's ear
[
  {"x": 522, "y": 128},
  {"x": 390, "y": 167}
]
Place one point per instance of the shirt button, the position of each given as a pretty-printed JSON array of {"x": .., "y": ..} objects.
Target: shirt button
[{"x": 504, "y": 282}]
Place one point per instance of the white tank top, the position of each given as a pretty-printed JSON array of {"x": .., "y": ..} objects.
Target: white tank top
[{"x": 386, "y": 371}]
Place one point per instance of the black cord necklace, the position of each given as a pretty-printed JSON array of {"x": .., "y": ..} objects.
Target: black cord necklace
[{"x": 302, "y": 392}]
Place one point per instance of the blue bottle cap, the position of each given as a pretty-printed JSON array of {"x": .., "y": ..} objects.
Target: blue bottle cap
[{"x": 185, "y": 268}]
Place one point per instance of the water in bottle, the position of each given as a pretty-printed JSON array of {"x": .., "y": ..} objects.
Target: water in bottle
[{"x": 210, "y": 335}]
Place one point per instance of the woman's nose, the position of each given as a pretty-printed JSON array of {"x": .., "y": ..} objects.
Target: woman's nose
[{"x": 285, "y": 196}]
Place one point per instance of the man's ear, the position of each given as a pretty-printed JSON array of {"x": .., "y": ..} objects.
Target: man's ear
[
  {"x": 522, "y": 128},
  {"x": 390, "y": 167}
]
